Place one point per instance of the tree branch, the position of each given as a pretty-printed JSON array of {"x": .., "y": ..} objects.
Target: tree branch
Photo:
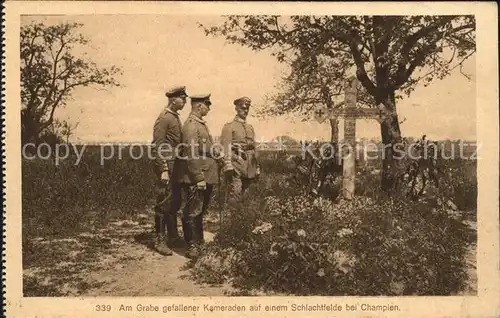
[
  {"x": 32, "y": 44},
  {"x": 54, "y": 78},
  {"x": 403, "y": 75},
  {"x": 412, "y": 39},
  {"x": 361, "y": 71},
  {"x": 461, "y": 64},
  {"x": 50, "y": 120}
]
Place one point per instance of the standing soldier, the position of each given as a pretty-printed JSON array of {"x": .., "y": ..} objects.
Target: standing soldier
[
  {"x": 240, "y": 159},
  {"x": 166, "y": 138},
  {"x": 198, "y": 171}
]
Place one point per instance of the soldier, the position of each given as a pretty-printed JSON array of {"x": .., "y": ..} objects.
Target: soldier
[
  {"x": 238, "y": 141},
  {"x": 166, "y": 138},
  {"x": 198, "y": 171}
]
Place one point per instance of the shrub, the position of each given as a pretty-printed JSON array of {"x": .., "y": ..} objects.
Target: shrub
[
  {"x": 462, "y": 181},
  {"x": 457, "y": 182},
  {"x": 305, "y": 246},
  {"x": 61, "y": 199},
  {"x": 275, "y": 238}
]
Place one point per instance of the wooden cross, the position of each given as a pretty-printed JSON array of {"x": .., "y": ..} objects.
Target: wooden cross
[
  {"x": 319, "y": 115},
  {"x": 350, "y": 113}
]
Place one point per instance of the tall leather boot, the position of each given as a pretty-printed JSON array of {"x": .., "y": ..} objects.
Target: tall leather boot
[
  {"x": 174, "y": 239},
  {"x": 187, "y": 226},
  {"x": 158, "y": 223},
  {"x": 190, "y": 236},
  {"x": 160, "y": 244},
  {"x": 184, "y": 228},
  {"x": 199, "y": 229}
]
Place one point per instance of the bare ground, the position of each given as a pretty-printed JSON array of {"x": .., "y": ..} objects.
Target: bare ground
[
  {"x": 115, "y": 261},
  {"x": 118, "y": 261}
]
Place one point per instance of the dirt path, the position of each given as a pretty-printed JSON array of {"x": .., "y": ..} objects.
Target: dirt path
[
  {"x": 117, "y": 261},
  {"x": 147, "y": 273}
]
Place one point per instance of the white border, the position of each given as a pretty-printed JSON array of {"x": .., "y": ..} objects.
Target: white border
[{"x": 486, "y": 304}]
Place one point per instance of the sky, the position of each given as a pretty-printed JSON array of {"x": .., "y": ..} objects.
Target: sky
[{"x": 158, "y": 52}]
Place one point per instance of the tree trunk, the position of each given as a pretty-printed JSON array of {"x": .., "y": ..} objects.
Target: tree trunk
[
  {"x": 391, "y": 135},
  {"x": 334, "y": 125},
  {"x": 334, "y": 138},
  {"x": 28, "y": 127}
]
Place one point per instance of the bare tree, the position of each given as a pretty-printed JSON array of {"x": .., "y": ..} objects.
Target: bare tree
[{"x": 50, "y": 73}]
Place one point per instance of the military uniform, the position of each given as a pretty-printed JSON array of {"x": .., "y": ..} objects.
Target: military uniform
[
  {"x": 238, "y": 142},
  {"x": 166, "y": 139},
  {"x": 197, "y": 163}
]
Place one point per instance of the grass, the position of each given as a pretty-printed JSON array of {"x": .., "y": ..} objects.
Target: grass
[{"x": 389, "y": 247}]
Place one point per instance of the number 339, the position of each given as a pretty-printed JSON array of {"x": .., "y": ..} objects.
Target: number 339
[{"x": 103, "y": 308}]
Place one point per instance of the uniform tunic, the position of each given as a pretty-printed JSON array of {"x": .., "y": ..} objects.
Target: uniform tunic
[
  {"x": 166, "y": 138},
  {"x": 197, "y": 161},
  {"x": 238, "y": 142},
  {"x": 167, "y": 135}
]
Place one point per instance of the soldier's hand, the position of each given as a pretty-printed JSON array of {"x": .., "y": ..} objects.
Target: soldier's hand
[
  {"x": 165, "y": 178},
  {"x": 202, "y": 185},
  {"x": 229, "y": 174},
  {"x": 257, "y": 174}
]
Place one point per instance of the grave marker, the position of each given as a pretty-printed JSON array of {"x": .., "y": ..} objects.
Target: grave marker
[
  {"x": 350, "y": 113},
  {"x": 320, "y": 114}
]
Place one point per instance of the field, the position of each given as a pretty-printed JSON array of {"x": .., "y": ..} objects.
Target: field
[{"x": 79, "y": 219}]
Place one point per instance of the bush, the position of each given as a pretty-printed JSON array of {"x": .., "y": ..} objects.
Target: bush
[
  {"x": 462, "y": 181},
  {"x": 285, "y": 243},
  {"x": 59, "y": 200},
  {"x": 457, "y": 182},
  {"x": 275, "y": 238}
]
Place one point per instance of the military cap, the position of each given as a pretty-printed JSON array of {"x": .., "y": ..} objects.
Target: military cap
[
  {"x": 179, "y": 91},
  {"x": 203, "y": 98},
  {"x": 241, "y": 100}
]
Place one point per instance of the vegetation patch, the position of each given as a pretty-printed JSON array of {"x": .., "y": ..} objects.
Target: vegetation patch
[{"x": 283, "y": 242}]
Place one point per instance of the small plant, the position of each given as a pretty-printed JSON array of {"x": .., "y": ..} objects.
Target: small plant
[
  {"x": 276, "y": 238},
  {"x": 284, "y": 242}
]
